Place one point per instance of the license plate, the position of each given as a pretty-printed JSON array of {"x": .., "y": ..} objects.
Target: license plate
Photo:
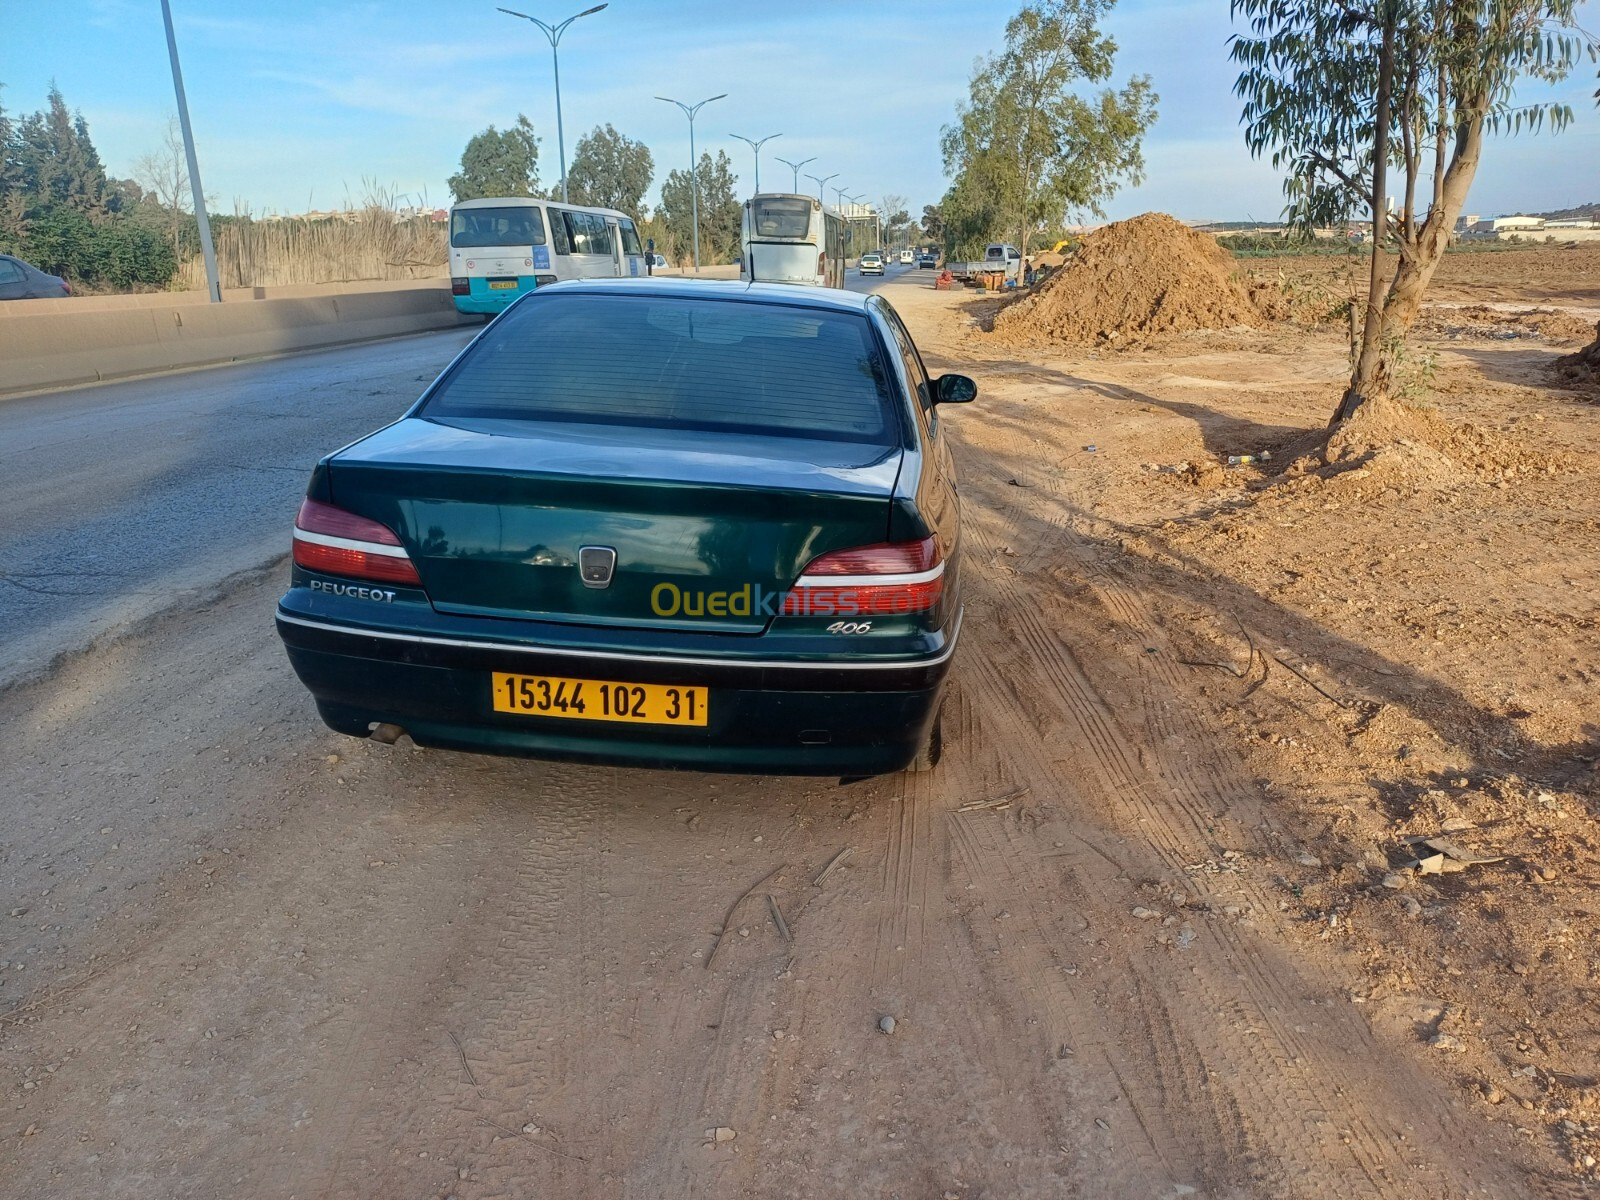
[
  {"x": 498, "y": 285},
  {"x": 598, "y": 700}
]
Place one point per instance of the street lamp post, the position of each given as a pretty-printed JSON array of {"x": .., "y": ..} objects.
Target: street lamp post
[
  {"x": 838, "y": 196},
  {"x": 822, "y": 181},
  {"x": 796, "y": 167},
  {"x": 689, "y": 111},
  {"x": 213, "y": 280},
  {"x": 554, "y": 32},
  {"x": 756, "y": 146}
]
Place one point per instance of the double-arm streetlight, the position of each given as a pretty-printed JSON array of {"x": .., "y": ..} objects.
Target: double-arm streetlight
[
  {"x": 795, "y": 166},
  {"x": 756, "y": 146},
  {"x": 689, "y": 111},
  {"x": 554, "y": 32},
  {"x": 822, "y": 181}
]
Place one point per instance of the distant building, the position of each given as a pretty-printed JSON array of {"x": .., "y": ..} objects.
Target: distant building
[{"x": 1503, "y": 226}]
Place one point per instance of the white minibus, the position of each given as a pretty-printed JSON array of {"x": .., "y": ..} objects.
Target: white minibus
[{"x": 503, "y": 246}]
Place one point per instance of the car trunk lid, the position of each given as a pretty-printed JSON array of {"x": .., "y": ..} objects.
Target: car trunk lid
[{"x": 495, "y": 513}]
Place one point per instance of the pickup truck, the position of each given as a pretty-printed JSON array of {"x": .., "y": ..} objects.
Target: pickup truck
[{"x": 999, "y": 259}]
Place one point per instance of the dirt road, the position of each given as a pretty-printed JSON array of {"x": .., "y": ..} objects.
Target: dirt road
[{"x": 246, "y": 957}]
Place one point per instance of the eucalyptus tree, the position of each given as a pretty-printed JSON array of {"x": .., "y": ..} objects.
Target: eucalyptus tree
[
  {"x": 1338, "y": 94},
  {"x": 1026, "y": 144}
]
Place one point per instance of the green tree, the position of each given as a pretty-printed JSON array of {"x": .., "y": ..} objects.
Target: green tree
[
  {"x": 58, "y": 162},
  {"x": 1034, "y": 147},
  {"x": 610, "y": 171},
  {"x": 499, "y": 164},
  {"x": 1341, "y": 94},
  {"x": 127, "y": 254},
  {"x": 11, "y": 196},
  {"x": 720, "y": 210},
  {"x": 933, "y": 224}
]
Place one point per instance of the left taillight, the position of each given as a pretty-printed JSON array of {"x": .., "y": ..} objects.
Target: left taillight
[
  {"x": 886, "y": 578},
  {"x": 335, "y": 542}
]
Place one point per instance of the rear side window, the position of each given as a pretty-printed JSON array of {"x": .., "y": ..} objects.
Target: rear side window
[
  {"x": 630, "y": 237},
  {"x": 667, "y": 362},
  {"x": 510, "y": 226},
  {"x": 587, "y": 233},
  {"x": 10, "y": 272}
]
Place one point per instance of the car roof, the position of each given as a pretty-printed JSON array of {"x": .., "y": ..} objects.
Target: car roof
[{"x": 794, "y": 295}]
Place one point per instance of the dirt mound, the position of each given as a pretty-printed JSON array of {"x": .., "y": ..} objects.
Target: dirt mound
[
  {"x": 1584, "y": 366},
  {"x": 1129, "y": 281}
]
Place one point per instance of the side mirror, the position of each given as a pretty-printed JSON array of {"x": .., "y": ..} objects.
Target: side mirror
[{"x": 954, "y": 389}]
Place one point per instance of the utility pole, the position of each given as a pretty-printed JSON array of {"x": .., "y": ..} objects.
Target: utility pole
[
  {"x": 689, "y": 111},
  {"x": 796, "y": 167},
  {"x": 756, "y": 146},
  {"x": 553, "y": 33},
  {"x": 213, "y": 280}
]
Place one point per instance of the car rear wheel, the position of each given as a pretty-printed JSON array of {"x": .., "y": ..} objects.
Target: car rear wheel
[{"x": 933, "y": 749}]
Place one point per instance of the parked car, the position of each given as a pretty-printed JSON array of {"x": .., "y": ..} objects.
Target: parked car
[
  {"x": 21, "y": 281},
  {"x": 871, "y": 264},
  {"x": 658, "y": 262},
  {"x": 663, "y": 523}
]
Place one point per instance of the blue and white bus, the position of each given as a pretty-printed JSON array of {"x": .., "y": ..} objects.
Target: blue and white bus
[{"x": 503, "y": 246}]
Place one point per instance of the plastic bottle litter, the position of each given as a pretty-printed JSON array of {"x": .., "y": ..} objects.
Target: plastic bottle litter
[{"x": 1244, "y": 460}]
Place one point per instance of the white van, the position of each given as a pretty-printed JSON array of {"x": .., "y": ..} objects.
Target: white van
[{"x": 503, "y": 246}]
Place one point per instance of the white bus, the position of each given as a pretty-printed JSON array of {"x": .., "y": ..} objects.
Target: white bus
[
  {"x": 503, "y": 246},
  {"x": 786, "y": 238}
]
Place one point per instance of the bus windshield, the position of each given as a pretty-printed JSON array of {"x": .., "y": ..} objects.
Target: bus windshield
[
  {"x": 511, "y": 226},
  {"x": 782, "y": 217}
]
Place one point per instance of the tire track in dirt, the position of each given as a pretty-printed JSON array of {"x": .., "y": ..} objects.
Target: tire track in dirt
[{"x": 1203, "y": 799}]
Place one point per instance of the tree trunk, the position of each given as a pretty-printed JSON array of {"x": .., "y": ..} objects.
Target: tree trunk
[
  {"x": 1370, "y": 377},
  {"x": 1411, "y": 280}
]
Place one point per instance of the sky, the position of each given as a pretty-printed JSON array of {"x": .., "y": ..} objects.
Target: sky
[{"x": 301, "y": 104}]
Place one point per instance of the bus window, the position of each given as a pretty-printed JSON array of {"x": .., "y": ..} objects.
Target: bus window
[
  {"x": 782, "y": 217},
  {"x": 630, "y": 236},
  {"x": 517, "y": 226}
]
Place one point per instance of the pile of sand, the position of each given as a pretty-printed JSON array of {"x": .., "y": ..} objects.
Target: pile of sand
[
  {"x": 1584, "y": 366},
  {"x": 1130, "y": 281}
]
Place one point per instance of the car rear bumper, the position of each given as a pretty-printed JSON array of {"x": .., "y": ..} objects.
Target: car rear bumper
[{"x": 777, "y": 718}]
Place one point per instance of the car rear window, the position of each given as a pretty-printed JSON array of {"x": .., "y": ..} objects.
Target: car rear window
[{"x": 679, "y": 363}]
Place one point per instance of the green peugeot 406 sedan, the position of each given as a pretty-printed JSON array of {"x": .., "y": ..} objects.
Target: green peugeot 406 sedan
[{"x": 663, "y": 523}]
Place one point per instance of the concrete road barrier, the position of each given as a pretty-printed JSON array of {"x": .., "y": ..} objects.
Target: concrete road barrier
[{"x": 56, "y": 343}]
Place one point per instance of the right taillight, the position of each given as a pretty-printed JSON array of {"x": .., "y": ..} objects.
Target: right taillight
[
  {"x": 886, "y": 578},
  {"x": 335, "y": 542},
  {"x": 460, "y": 286}
]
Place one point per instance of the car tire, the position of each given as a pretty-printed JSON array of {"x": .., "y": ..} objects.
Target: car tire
[{"x": 932, "y": 748}]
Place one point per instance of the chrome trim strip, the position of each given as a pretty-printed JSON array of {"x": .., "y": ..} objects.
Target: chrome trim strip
[
  {"x": 853, "y": 581},
  {"x": 621, "y": 656},
  {"x": 344, "y": 543}
]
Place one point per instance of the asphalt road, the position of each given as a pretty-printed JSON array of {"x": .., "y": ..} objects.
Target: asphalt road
[{"x": 121, "y": 499}]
